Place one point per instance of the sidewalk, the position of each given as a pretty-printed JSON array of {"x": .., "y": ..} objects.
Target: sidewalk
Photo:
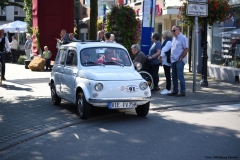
[
  {"x": 26, "y": 110},
  {"x": 217, "y": 92}
]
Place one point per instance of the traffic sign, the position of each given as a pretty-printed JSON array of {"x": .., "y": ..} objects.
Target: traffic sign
[
  {"x": 198, "y": 1},
  {"x": 197, "y": 9}
]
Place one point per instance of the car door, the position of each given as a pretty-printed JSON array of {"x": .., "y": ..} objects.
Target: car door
[
  {"x": 57, "y": 69},
  {"x": 69, "y": 75}
]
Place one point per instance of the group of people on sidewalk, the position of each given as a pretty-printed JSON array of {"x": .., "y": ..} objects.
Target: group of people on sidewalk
[{"x": 171, "y": 54}]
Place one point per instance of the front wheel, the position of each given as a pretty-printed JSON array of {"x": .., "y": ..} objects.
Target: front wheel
[
  {"x": 142, "y": 110},
  {"x": 0, "y": 74},
  {"x": 83, "y": 106},
  {"x": 147, "y": 77},
  {"x": 56, "y": 100}
]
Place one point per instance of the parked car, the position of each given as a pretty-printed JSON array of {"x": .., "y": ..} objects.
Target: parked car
[{"x": 98, "y": 74}]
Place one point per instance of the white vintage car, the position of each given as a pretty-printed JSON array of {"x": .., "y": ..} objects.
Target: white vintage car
[{"x": 98, "y": 74}]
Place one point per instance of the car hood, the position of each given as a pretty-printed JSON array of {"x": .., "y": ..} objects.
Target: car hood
[{"x": 110, "y": 74}]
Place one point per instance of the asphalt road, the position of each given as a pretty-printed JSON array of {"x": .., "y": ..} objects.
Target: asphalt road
[
  {"x": 176, "y": 128},
  {"x": 199, "y": 132}
]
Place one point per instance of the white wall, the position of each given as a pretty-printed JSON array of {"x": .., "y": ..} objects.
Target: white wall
[
  {"x": 234, "y": 2},
  {"x": 172, "y": 3},
  {"x": 10, "y": 13}
]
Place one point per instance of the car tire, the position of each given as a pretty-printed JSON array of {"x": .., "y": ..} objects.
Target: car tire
[
  {"x": 83, "y": 106},
  {"x": 142, "y": 110},
  {"x": 0, "y": 74},
  {"x": 56, "y": 100}
]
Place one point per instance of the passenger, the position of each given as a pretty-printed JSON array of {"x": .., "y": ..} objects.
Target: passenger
[
  {"x": 85, "y": 58},
  {"x": 108, "y": 57}
]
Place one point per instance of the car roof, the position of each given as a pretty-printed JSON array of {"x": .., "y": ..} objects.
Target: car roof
[{"x": 82, "y": 45}]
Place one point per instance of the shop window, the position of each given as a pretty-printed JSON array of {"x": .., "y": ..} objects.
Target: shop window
[{"x": 226, "y": 41}]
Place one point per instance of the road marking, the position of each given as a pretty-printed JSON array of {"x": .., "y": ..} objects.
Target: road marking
[{"x": 228, "y": 107}]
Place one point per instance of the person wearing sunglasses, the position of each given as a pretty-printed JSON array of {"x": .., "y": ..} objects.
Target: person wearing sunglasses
[{"x": 179, "y": 50}]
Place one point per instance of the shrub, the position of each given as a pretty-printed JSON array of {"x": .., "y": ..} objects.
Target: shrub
[
  {"x": 123, "y": 19},
  {"x": 21, "y": 59}
]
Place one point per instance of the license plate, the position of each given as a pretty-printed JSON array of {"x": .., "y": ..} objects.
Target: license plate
[{"x": 122, "y": 105}]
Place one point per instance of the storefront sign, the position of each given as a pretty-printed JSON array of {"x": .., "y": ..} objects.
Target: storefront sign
[
  {"x": 158, "y": 11},
  {"x": 148, "y": 21},
  {"x": 197, "y": 9}
]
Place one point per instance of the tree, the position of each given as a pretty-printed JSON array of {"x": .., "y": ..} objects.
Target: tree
[
  {"x": 4, "y": 3},
  {"x": 28, "y": 19},
  {"x": 93, "y": 19}
]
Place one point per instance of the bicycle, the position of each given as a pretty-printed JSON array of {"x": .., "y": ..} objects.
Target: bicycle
[{"x": 145, "y": 75}]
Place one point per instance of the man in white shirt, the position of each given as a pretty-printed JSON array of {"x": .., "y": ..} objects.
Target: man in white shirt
[
  {"x": 14, "y": 45},
  {"x": 4, "y": 48},
  {"x": 179, "y": 50}
]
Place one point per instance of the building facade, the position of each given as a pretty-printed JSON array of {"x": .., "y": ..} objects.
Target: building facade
[
  {"x": 224, "y": 46},
  {"x": 11, "y": 14}
]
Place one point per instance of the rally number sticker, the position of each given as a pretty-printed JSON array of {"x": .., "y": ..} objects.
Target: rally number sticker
[{"x": 132, "y": 88}]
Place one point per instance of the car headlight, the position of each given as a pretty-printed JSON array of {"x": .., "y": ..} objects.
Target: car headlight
[
  {"x": 98, "y": 86},
  {"x": 143, "y": 85},
  {"x": 139, "y": 66}
]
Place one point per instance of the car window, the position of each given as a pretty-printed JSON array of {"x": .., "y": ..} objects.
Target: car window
[
  {"x": 71, "y": 58},
  {"x": 104, "y": 56},
  {"x": 60, "y": 59}
]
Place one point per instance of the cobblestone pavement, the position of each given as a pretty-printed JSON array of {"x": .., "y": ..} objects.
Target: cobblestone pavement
[{"x": 26, "y": 110}]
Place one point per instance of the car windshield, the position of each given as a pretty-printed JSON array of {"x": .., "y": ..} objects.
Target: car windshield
[{"x": 104, "y": 56}]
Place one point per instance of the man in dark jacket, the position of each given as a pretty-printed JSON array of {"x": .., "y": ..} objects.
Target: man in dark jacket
[{"x": 4, "y": 47}]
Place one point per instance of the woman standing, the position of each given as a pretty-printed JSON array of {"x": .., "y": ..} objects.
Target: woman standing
[
  {"x": 164, "y": 58},
  {"x": 154, "y": 52},
  {"x": 28, "y": 46}
]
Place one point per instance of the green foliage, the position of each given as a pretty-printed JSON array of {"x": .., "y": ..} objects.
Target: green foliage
[
  {"x": 28, "y": 19},
  {"x": 36, "y": 33},
  {"x": 123, "y": 19},
  {"x": 99, "y": 24},
  {"x": 218, "y": 11},
  {"x": 4, "y": 3},
  {"x": 21, "y": 59}
]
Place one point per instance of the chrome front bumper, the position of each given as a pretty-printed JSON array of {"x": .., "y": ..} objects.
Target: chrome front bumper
[{"x": 104, "y": 100}]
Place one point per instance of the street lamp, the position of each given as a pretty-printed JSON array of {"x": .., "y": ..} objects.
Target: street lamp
[{"x": 204, "y": 81}]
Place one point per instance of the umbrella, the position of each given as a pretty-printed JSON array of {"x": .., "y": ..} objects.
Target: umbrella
[
  {"x": 229, "y": 33},
  {"x": 15, "y": 27}
]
